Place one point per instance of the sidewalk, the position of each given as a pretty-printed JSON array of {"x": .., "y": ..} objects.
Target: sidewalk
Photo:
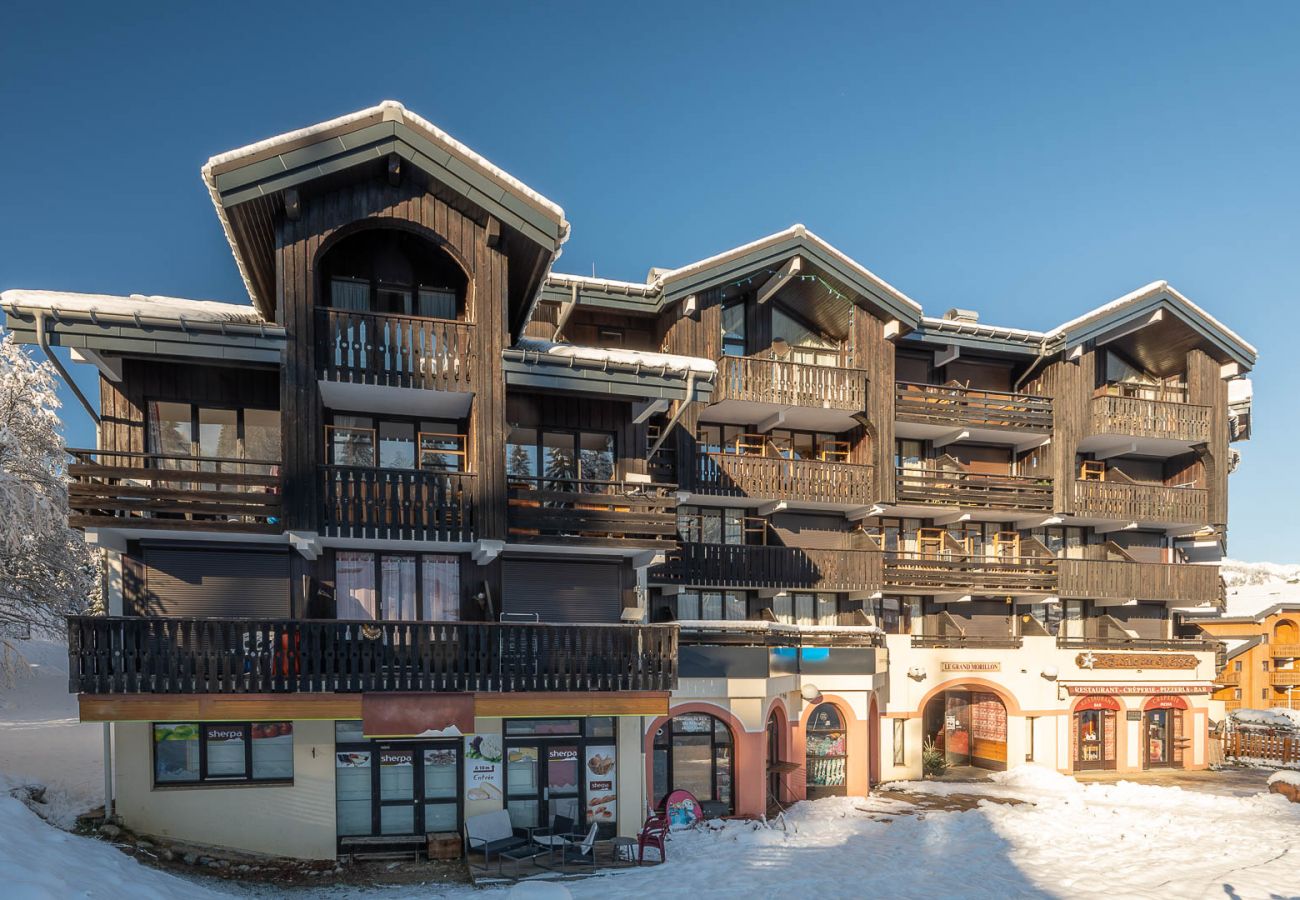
[{"x": 1229, "y": 782}]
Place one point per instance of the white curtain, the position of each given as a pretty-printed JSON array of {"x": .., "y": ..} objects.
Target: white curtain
[
  {"x": 441, "y": 576},
  {"x": 398, "y": 583},
  {"x": 354, "y": 585}
]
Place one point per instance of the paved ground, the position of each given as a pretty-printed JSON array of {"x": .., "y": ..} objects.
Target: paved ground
[{"x": 1234, "y": 781}]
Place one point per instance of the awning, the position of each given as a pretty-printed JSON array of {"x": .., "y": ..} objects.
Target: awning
[
  {"x": 1097, "y": 703},
  {"x": 1165, "y": 701}
]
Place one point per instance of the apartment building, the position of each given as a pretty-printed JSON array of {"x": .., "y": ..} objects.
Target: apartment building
[
  {"x": 430, "y": 529},
  {"x": 1259, "y": 666}
]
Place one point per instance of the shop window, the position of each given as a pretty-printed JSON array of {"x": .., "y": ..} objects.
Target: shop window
[
  {"x": 408, "y": 587},
  {"x": 222, "y": 752},
  {"x": 827, "y": 743},
  {"x": 694, "y": 752},
  {"x": 565, "y": 767}
]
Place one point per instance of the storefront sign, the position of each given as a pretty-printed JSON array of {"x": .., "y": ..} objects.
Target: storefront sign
[
  {"x": 970, "y": 666},
  {"x": 396, "y": 758},
  {"x": 1135, "y": 661},
  {"x": 601, "y": 774},
  {"x": 483, "y": 767},
  {"x": 1133, "y": 715},
  {"x": 1137, "y": 690}
]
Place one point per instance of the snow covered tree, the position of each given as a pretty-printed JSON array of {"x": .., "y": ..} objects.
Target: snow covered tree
[{"x": 46, "y": 569}]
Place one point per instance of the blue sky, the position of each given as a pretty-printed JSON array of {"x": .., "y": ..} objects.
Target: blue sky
[{"x": 1028, "y": 160}]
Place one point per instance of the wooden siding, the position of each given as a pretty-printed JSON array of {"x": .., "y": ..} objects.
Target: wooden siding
[
  {"x": 752, "y": 566},
  {"x": 1206, "y": 387}
]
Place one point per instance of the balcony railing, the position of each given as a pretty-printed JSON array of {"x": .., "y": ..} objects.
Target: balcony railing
[
  {"x": 1159, "y": 419},
  {"x": 1140, "y": 502},
  {"x": 955, "y": 573},
  {"x": 975, "y": 490},
  {"x": 768, "y": 566},
  {"x": 1104, "y": 579},
  {"x": 117, "y": 489},
  {"x": 1187, "y": 645},
  {"x": 786, "y": 383},
  {"x": 975, "y": 642},
  {"x": 1286, "y": 651},
  {"x": 1284, "y": 678},
  {"x": 397, "y": 504},
  {"x": 1228, "y": 678},
  {"x": 776, "y": 478},
  {"x": 224, "y": 656},
  {"x": 934, "y": 404},
  {"x": 394, "y": 350},
  {"x": 592, "y": 513},
  {"x": 770, "y": 634}
]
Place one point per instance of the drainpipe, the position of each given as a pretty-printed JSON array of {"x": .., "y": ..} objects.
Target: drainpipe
[
  {"x": 44, "y": 341},
  {"x": 681, "y": 408},
  {"x": 108, "y": 772}
]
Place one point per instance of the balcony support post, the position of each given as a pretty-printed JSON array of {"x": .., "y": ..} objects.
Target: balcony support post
[{"x": 779, "y": 280}]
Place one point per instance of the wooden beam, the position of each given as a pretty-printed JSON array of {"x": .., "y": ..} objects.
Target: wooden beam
[
  {"x": 690, "y": 305},
  {"x": 779, "y": 280},
  {"x": 566, "y": 310},
  {"x": 217, "y": 707},
  {"x": 893, "y": 328},
  {"x": 946, "y": 355},
  {"x": 492, "y": 232},
  {"x": 643, "y": 410}
]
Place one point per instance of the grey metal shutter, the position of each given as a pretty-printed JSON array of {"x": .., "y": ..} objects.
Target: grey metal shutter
[
  {"x": 562, "y": 590},
  {"x": 235, "y": 583}
]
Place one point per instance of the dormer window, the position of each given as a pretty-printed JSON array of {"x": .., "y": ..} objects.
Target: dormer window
[{"x": 394, "y": 273}]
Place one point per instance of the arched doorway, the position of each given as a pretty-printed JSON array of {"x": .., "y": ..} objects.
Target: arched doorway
[
  {"x": 1162, "y": 732},
  {"x": 826, "y": 764},
  {"x": 1286, "y": 632},
  {"x": 695, "y": 752},
  {"x": 1093, "y": 730},
  {"x": 969, "y": 726},
  {"x": 873, "y": 743},
  {"x": 777, "y": 766}
]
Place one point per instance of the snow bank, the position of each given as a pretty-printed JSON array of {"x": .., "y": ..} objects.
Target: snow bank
[
  {"x": 620, "y": 356},
  {"x": 147, "y": 307},
  {"x": 1271, "y": 718},
  {"x": 1291, "y": 778}
]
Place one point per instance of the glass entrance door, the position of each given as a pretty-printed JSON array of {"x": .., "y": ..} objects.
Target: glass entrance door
[
  {"x": 397, "y": 798},
  {"x": 1091, "y": 727},
  {"x": 542, "y": 782},
  {"x": 396, "y": 788},
  {"x": 1158, "y": 737}
]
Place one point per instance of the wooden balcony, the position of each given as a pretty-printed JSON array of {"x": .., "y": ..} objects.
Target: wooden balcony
[
  {"x": 1140, "y": 502},
  {"x": 772, "y": 567},
  {"x": 1021, "y": 493},
  {"x": 777, "y": 478},
  {"x": 1228, "y": 678},
  {"x": 783, "y": 383},
  {"x": 770, "y": 634},
  {"x": 617, "y": 514},
  {"x": 1186, "y": 645},
  {"x": 1154, "y": 419},
  {"x": 397, "y": 504},
  {"x": 1284, "y": 678},
  {"x": 1286, "y": 651},
  {"x": 154, "y": 655},
  {"x": 394, "y": 351},
  {"x": 956, "y": 407},
  {"x": 116, "y": 489},
  {"x": 960, "y": 574},
  {"x": 964, "y": 641},
  {"x": 1105, "y": 579}
]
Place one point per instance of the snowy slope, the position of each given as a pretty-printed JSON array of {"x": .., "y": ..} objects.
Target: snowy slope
[{"x": 1254, "y": 587}]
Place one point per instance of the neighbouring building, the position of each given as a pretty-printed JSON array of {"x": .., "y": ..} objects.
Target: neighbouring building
[
  {"x": 430, "y": 529},
  {"x": 1259, "y": 670}
]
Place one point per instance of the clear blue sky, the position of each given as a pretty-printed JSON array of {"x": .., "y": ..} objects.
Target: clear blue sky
[{"x": 1028, "y": 160}]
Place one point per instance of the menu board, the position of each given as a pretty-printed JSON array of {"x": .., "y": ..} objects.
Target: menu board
[
  {"x": 601, "y": 774},
  {"x": 483, "y": 767}
]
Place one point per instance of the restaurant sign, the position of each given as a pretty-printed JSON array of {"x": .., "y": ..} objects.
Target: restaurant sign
[
  {"x": 1137, "y": 690},
  {"x": 970, "y": 666}
]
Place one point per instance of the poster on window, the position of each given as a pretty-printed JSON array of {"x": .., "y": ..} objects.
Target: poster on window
[
  {"x": 483, "y": 769},
  {"x": 601, "y": 774}
]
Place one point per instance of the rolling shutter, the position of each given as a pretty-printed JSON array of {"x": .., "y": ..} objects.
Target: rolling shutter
[
  {"x": 562, "y": 591},
  {"x": 234, "y": 583}
]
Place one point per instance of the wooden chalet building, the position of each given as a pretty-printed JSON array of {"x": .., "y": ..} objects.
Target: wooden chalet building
[{"x": 430, "y": 530}]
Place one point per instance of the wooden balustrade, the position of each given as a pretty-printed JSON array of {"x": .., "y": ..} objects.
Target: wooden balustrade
[
  {"x": 119, "y": 489},
  {"x": 956, "y": 573},
  {"x": 1163, "y": 419},
  {"x": 763, "y": 634},
  {"x": 1140, "y": 502},
  {"x": 397, "y": 504},
  {"x": 1284, "y": 677},
  {"x": 592, "y": 513},
  {"x": 786, "y": 383},
  {"x": 777, "y": 478},
  {"x": 974, "y": 489},
  {"x": 1286, "y": 651},
  {"x": 769, "y": 566},
  {"x": 1228, "y": 678},
  {"x": 151, "y": 655},
  {"x": 394, "y": 350},
  {"x": 1256, "y": 747},
  {"x": 1105, "y": 579},
  {"x": 936, "y": 404},
  {"x": 1187, "y": 645},
  {"x": 964, "y": 641}
]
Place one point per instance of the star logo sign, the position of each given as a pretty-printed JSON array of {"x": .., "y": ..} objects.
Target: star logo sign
[{"x": 1087, "y": 660}]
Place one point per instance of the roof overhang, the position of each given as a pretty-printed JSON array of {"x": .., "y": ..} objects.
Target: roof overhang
[{"x": 530, "y": 370}]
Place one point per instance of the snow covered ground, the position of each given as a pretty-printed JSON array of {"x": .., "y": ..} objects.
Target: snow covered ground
[{"x": 1254, "y": 587}]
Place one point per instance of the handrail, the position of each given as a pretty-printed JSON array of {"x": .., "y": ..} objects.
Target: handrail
[
  {"x": 80, "y": 452},
  {"x": 977, "y": 393}
]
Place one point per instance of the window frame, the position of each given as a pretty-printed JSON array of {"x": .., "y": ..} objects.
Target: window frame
[
  {"x": 541, "y": 480},
  {"x": 416, "y": 422},
  {"x": 204, "y": 780},
  {"x": 377, "y": 564},
  {"x": 241, "y": 436}
]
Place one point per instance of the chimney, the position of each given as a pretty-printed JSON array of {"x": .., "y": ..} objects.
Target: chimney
[{"x": 962, "y": 315}]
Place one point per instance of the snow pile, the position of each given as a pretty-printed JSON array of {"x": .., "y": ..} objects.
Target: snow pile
[
  {"x": 1278, "y": 717},
  {"x": 136, "y": 305},
  {"x": 1291, "y": 778},
  {"x": 619, "y": 356}
]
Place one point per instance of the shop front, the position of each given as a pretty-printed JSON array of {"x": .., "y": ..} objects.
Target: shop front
[
  {"x": 695, "y": 751},
  {"x": 969, "y": 726},
  {"x": 1094, "y": 731},
  {"x": 826, "y": 753},
  {"x": 1163, "y": 742},
  {"x": 561, "y": 767}
]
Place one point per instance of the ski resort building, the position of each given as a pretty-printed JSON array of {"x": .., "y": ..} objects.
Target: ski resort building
[{"x": 429, "y": 529}]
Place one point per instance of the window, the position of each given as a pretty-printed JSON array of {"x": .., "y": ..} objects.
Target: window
[
  {"x": 1265, "y": 665},
  {"x": 222, "y": 752},
  {"x": 557, "y": 460},
  {"x": 1263, "y": 694},
  {"x": 1236, "y": 666},
  {"x": 227, "y": 436},
  {"x": 733, "y": 328},
  {"x": 693, "y": 752},
  {"x": 731, "y": 606},
  {"x": 393, "y": 272},
  {"x": 1236, "y": 694},
  {"x": 806, "y": 344},
  {"x": 800, "y": 608},
  {"x": 710, "y": 525},
  {"x": 365, "y": 441},
  {"x": 409, "y": 588}
]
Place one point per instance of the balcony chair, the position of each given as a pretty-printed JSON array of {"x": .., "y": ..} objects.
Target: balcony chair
[
  {"x": 583, "y": 853},
  {"x": 654, "y": 833}
]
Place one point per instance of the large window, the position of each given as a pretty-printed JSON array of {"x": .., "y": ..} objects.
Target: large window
[
  {"x": 733, "y": 328},
  {"x": 693, "y": 752},
  {"x": 711, "y": 525},
  {"x": 390, "y": 271},
  {"x": 806, "y": 608},
  {"x": 712, "y": 606},
  {"x": 369, "y": 442},
  {"x": 219, "y": 433},
  {"x": 222, "y": 752},
  {"x": 806, "y": 344},
  {"x": 397, "y": 586},
  {"x": 560, "y": 460}
]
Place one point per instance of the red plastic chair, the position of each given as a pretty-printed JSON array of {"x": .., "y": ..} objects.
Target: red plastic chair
[{"x": 654, "y": 833}]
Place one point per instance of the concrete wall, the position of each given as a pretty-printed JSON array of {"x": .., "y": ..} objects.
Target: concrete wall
[{"x": 292, "y": 820}]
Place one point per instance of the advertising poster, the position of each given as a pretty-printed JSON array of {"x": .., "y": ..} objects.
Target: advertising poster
[
  {"x": 483, "y": 770},
  {"x": 601, "y": 774}
]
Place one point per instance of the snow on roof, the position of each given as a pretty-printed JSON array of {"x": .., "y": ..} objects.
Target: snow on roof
[
  {"x": 619, "y": 356},
  {"x": 1272, "y": 718},
  {"x": 136, "y": 306},
  {"x": 1023, "y": 334},
  {"x": 607, "y": 283}
]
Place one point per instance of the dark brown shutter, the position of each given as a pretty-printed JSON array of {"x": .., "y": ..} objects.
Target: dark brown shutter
[
  {"x": 562, "y": 591},
  {"x": 230, "y": 583}
]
